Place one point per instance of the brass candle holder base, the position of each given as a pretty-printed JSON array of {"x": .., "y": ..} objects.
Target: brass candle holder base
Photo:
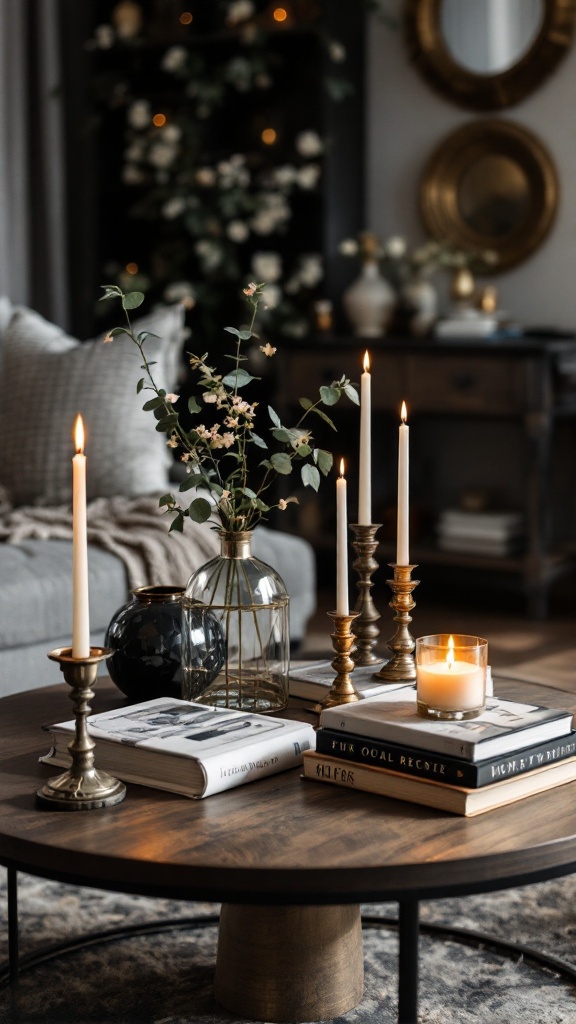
[
  {"x": 81, "y": 787},
  {"x": 365, "y": 627},
  {"x": 402, "y": 666},
  {"x": 342, "y": 690}
]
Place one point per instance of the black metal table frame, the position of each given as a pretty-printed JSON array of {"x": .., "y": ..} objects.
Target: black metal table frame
[{"x": 407, "y": 923}]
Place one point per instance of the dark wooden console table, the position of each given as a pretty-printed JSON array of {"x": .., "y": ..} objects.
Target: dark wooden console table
[
  {"x": 532, "y": 382},
  {"x": 290, "y": 859}
]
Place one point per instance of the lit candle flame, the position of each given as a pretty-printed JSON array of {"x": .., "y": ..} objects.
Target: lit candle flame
[
  {"x": 366, "y": 363},
  {"x": 79, "y": 435},
  {"x": 403, "y": 412},
  {"x": 341, "y": 467},
  {"x": 450, "y": 652}
]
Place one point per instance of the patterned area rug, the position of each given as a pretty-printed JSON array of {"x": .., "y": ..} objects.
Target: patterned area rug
[{"x": 167, "y": 978}]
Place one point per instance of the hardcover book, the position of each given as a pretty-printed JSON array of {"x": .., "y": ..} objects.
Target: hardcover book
[
  {"x": 187, "y": 748},
  {"x": 455, "y": 799},
  {"x": 312, "y": 680},
  {"x": 453, "y": 771},
  {"x": 504, "y": 726}
]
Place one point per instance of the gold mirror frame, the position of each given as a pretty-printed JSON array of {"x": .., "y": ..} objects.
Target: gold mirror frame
[
  {"x": 455, "y": 157},
  {"x": 428, "y": 51}
]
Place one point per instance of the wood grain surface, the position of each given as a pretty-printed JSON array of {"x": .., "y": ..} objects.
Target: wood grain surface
[{"x": 281, "y": 839}]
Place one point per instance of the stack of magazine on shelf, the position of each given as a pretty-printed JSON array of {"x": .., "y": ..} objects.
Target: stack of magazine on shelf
[
  {"x": 187, "y": 748},
  {"x": 381, "y": 745}
]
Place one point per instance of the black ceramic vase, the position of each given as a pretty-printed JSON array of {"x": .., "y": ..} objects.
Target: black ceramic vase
[{"x": 146, "y": 636}]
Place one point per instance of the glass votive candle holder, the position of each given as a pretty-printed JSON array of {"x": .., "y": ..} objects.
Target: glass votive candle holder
[{"x": 451, "y": 676}]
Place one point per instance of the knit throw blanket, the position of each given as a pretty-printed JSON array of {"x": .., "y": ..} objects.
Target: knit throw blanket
[{"x": 133, "y": 529}]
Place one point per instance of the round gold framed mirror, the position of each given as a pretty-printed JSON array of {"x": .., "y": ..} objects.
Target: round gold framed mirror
[
  {"x": 490, "y": 185},
  {"x": 485, "y": 55}
]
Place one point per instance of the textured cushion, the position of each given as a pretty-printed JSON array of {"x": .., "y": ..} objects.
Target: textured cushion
[{"x": 48, "y": 377}]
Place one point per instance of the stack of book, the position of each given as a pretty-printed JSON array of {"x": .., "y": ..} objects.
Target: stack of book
[
  {"x": 381, "y": 745},
  {"x": 480, "y": 533}
]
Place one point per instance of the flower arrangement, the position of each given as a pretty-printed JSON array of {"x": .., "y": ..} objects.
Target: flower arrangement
[
  {"x": 400, "y": 265},
  {"x": 219, "y": 455},
  {"x": 220, "y": 213}
]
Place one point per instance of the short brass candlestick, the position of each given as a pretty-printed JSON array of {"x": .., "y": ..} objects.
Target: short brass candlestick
[
  {"x": 82, "y": 787},
  {"x": 342, "y": 690},
  {"x": 401, "y": 665},
  {"x": 365, "y": 627}
]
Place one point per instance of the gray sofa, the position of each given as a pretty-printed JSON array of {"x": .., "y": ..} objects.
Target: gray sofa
[{"x": 51, "y": 377}]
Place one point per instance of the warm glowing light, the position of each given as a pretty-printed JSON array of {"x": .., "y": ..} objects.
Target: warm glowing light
[
  {"x": 366, "y": 363},
  {"x": 450, "y": 652},
  {"x": 280, "y": 14},
  {"x": 342, "y": 467},
  {"x": 131, "y": 268},
  {"x": 403, "y": 413},
  {"x": 79, "y": 434},
  {"x": 186, "y": 18},
  {"x": 269, "y": 136},
  {"x": 159, "y": 120}
]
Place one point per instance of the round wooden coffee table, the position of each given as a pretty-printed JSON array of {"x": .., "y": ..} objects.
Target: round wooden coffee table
[{"x": 291, "y": 860}]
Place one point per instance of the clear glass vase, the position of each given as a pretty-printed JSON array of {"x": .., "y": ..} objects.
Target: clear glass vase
[{"x": 250, "y": 602}]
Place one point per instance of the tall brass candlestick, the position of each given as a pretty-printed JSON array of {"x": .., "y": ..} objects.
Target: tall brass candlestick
[
  {"x": 342, "y": 690},
  {"x": 401, "y": 665},
  {"x": 365, "y": 627},
  {"x": 82, "y": 787}
]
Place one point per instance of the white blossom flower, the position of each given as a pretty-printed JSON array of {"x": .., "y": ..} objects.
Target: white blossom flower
[
  {"x": 172, "y": 442},
  {"x": 250, "y": 288},
  {"x": 205, "y": 176},
  {"x": 179, "y": 291},
  {"x": 104, "y": 37},
  {"x": 139, "y": 115},
  {"x": 348, "y": 247},
  {"x": 237, "y": 231},
  {"x": 170, "y": 397},
  {"x": 310, "y": 271},
  {"x": 271, "y": 296},
  {"x": 173, "y": 207},
  {"x": 284, "y": 176},
  {"x": 209, "y": 252},
  {"x": 267, "y": 266},
  {"x": 135, "y": 151},
  {"x": 240, "y": 10},
  {"x": 308, "y": 176},
  {"x": 395, "y": 247},
  {"x": 282, "y": 504},
  {"x": 160, "y": 155},
  {"x": 171, "y": 133},
  {"x": 268, "y": 349},
  {"x": 336, "y": 51},
  {"x": 210, "y": 397},
  {"x": 309, "y": 144},
  {"x": 174, "y": 59}
]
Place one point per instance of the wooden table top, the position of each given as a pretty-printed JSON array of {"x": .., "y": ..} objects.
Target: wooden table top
[{"x": 279, "y": 840}]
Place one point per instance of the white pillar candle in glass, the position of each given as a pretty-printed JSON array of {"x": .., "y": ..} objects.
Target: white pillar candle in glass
[
  {"x": 364, "y": 475},
  {"x": 342, "y": 605},
  {"x": 80, "y": 611},
  {"x": 451, "y": 676},
  {"x": 402, "y": 544}
]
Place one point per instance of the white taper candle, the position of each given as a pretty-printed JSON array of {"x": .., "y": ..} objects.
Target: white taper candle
[
  {"x": 402, "y": 538},
  {"x": 364, "y": 475},
  {"x": 80, "y": 609},
  {"x": 342, "y": 606}
]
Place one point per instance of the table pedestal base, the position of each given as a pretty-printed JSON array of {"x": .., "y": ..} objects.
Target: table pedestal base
[{"x": 279, "y": 963}]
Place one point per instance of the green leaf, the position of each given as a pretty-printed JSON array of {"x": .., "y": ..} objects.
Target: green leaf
[
  {"x": 324, "y": 460},
  {"x": 352, "y": 394},
  {"x": 303, "y": 450},
  {"x": 194, "y": 405},
  {"x": 248, "y": 492},
  {"x": 260, "y": 505},
  {"x": 305, "y": 403},
  {"x": 281, "y": 434},
  {"x": 329, "y": 395},
  {"x": 310, "y": 476},
  {"x": 153, "y": 403},
  {"x": 267, "y": 464},
  {"x": 274, "y": 417},
  {"x": 238, "y": 378},
  {"x": 190, "y": 482},
  {"x": 324, "y": 417},
  {"x": 199, "y": 510},
  {"x": 166, "y": 425},
  {"x": 177, "y": 524},
  {"x": 141, "y": 383},
  {"x": 233, "y": 330},
  {"x": 281, "y": 463},
  {"x": 132, "y": 300},
  {"x": 166, "y": 499},
  {"x": 258, "y": 440},
  {"x": 242, "y": 335},
  {"x": 118, "y": 330}
]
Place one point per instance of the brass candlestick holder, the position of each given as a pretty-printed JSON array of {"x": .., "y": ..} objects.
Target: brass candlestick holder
[
  {"x": 342, "y": 690},
  {"x": 365, "y": 627},
  {"x": 401, "y": 666},
  {"x": 82, "y": 787}
]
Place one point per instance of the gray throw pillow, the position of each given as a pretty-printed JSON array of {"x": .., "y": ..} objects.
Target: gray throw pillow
[{"x": 48, "y": 377}]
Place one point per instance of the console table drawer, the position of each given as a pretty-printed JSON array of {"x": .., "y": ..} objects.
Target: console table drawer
[
  {"x": 302, "y": 375},
  {"x": 489, "y": 385}
]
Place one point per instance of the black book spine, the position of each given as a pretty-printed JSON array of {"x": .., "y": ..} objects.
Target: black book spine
[{"x": 450, "y": 770}]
